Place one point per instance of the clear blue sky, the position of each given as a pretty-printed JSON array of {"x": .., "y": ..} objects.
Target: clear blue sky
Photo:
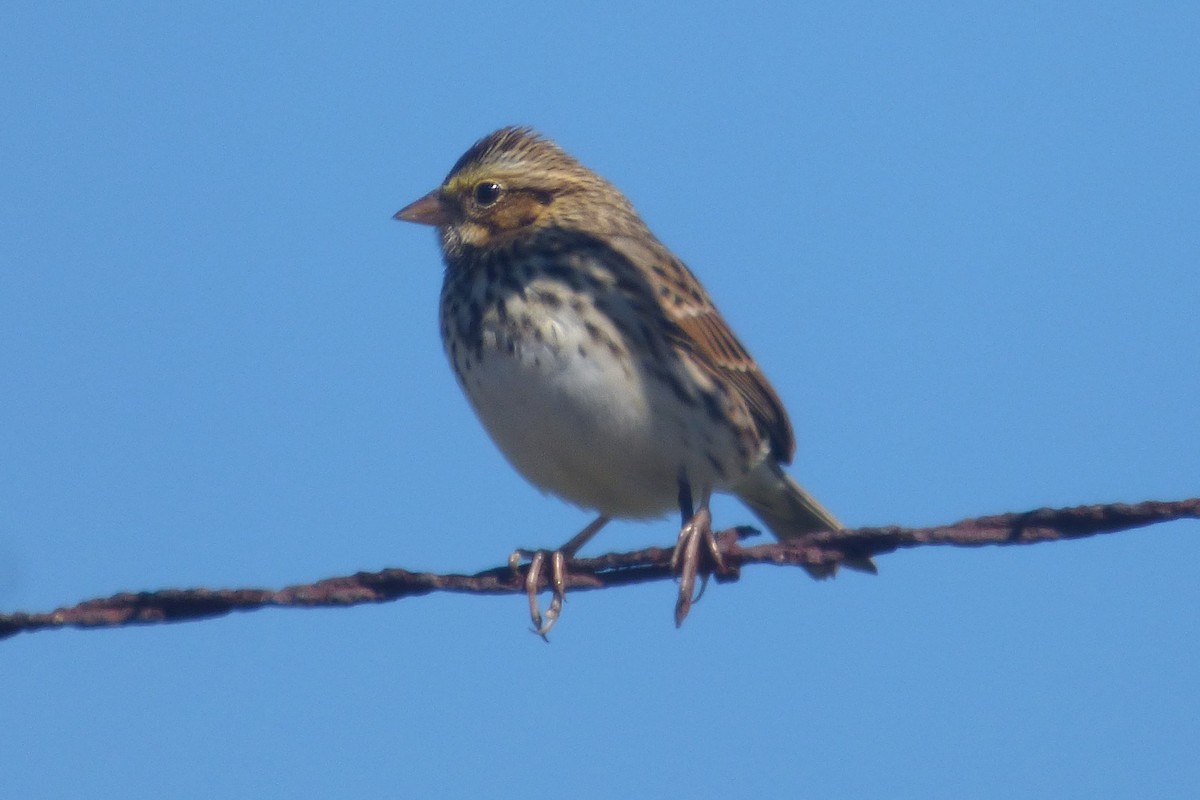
[{"x": 963, "y": 242}]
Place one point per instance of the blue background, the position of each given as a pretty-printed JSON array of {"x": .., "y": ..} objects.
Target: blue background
[{"x": 962, "y": 239}]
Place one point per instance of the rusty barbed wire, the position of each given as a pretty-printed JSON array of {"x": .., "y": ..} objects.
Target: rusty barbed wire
[{"x": 825, "y": 550}]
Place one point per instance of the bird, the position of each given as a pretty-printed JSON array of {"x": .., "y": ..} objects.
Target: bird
[{"x": 596, "y": 360}]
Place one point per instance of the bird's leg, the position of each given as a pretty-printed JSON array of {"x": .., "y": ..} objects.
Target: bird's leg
[
  {"x": 557, "y": 577},
  {"x": 686, "y": 509},
  {"x": 696, "y": 528}
]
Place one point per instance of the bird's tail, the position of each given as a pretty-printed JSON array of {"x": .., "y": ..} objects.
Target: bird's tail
[{"x": 790, "y": 512}]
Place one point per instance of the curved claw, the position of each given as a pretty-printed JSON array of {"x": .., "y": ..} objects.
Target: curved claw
[
  {"x": 686, "y": 560},
  {"x": 558, "y": 575},
  {"x": 533, "y": 578},
  {"x": 558, "y": 583}
]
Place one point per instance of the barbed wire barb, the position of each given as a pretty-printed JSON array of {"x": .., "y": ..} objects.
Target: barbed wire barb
[{"x": 825, "y": 551}]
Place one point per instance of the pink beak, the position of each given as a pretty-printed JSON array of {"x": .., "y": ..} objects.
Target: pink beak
[{"x": 429, "y": 210}]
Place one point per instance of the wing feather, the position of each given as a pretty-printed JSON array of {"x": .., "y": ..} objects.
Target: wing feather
[
  {"x": 718, "y": 350},
  {"x": 666, "y": 283}
]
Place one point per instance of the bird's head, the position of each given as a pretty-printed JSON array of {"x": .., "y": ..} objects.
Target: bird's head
[{"x": 511, "y": 184}]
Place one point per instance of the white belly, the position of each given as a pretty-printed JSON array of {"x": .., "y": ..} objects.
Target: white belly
[
  {"x": 557, "y": 391},
  {"x": 580, "y": 427}
]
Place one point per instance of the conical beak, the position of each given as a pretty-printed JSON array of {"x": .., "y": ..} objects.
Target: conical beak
[{"x": 429, "y": 210}]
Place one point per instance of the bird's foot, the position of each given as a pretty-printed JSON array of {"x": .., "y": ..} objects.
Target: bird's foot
[
  {"x": 685, "y": 560},
  {"x": 556, "y": 576}
]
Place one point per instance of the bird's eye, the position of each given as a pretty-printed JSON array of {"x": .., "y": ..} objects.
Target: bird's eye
[{"x": 487, "y": 192}]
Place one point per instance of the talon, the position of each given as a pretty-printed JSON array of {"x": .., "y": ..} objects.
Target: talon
[
  {"x": 533, "y": 578},
  {"x": 558, "y": 582},
  {"x": 557, "y": 578},
  {"x": 686, "y": 559},
  {"x": 531, "y": 589}
]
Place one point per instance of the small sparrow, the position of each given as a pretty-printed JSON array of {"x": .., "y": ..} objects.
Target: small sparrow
[{"x": 595, "y": 359}]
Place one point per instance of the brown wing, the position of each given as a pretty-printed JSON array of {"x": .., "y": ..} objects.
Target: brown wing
[
  {"x": 715, "y": 345},
  {"x": 701, "y": 330}
]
